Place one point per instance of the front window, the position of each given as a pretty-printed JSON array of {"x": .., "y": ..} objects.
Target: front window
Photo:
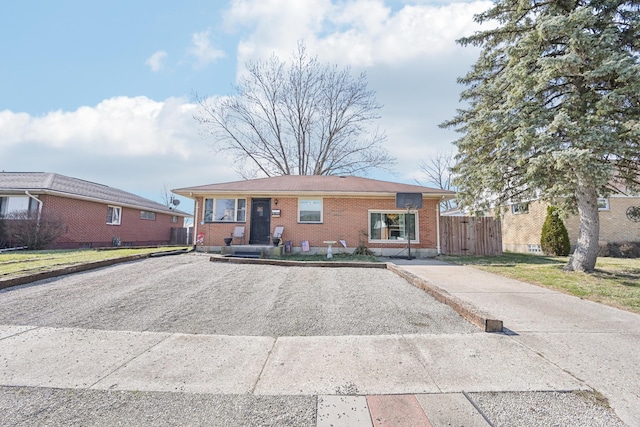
[
  {"x": 310, "y": 210},
  {"x": 14, "y": 204},
  {"x": 113, "y": 215},
  {"x": 392, "y": 225},
  {"x": 225, "y": 210}
]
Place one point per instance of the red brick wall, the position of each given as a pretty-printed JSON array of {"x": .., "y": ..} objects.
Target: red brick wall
[
  {"x": 343, "y": 219},
  {"x": 86, "y": 224}
]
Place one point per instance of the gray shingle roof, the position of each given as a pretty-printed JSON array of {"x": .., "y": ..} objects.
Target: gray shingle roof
[
  {"x": 52, "y": 183},
  {"x": 318, "y": 184}
]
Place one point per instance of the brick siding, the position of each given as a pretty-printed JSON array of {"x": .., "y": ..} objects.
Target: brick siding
[
  {"x": 520, "y": 231},
  {"x": 86, "y": 224},
  {"x": 344, "y": 218}
]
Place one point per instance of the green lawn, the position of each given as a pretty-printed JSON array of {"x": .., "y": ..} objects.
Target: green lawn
[
  {"x": 20, "y": 263},
  {"x": 616, "y": 281}
]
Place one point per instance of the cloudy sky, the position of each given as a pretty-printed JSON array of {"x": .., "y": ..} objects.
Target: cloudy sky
[{"x": 103, "y": 91}]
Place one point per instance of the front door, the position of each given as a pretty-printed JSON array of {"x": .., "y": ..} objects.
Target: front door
[{"x": 260, "y": 221}]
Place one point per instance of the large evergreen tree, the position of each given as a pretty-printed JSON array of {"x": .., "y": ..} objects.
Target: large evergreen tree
[{"x": 553, "y": 109}]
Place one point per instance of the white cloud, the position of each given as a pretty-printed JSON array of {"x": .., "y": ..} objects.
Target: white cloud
[
  {"x": 132, "y": 143},
  {"x": 361, "y": 33},
  {"x": 156, "y": 61},
  {"x": 127, "y": 126},
  {"x": 202, "y": 49}
]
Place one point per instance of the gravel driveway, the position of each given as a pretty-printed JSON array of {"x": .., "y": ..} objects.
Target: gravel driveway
[{"x": 190, "y": 294}]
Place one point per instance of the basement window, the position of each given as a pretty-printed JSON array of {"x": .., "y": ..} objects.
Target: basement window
[{"x": 520, "y": 208}]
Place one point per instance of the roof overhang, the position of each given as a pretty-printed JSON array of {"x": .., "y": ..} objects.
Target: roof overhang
[
  {"x": 35, "y": 192},
  {"x": 192, "y": 194}
]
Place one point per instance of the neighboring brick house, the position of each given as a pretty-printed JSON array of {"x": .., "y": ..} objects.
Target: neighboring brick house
[
  {"x": 315, "y": 209},
  {"x": 522, "y": 223},
  {"x": 94, "y": 215}
]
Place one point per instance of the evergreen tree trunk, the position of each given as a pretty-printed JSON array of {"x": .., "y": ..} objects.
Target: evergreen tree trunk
[{"x": 586, "y": 253}]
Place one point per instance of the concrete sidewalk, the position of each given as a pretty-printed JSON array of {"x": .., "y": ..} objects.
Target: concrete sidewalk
[
  {"x": 356, "y": 378},
  {"x": 589, "y": 341}
]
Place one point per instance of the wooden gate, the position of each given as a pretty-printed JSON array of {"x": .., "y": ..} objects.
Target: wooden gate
[
  {"x": 181, "y": 236},
  {"x": 468, "y": 235}
]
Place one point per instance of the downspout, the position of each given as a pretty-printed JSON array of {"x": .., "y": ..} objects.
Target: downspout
[
  {"x": 438, "y": 225},
  {"x": 195, "y": 222},
  {"x": 39, "y": 206}
]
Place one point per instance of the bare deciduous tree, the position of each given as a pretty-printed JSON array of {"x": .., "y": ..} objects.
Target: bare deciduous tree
[
  {"x": 437, "y": 171},
  {"x": 297, "y": 118}
]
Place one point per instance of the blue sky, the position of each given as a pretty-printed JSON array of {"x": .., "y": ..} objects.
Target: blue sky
[{"x": 103, "y": 91}]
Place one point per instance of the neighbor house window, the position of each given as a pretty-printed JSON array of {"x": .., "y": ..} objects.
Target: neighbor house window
[
  {"x": 174, "y": 218},
  {"x": 148, "y": 215},
  {"x": 520, "y": 208},
  {"x": 113, "y": 215},
  {"x": 14, "y": 204},
  {"x": 310, "y": 210},
  {"x": 225, "y": 210},
  {"x": 603, "y": 204},
  {"x": 392, "y": 226}
]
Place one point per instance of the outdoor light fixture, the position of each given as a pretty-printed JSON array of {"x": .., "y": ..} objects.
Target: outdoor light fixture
[{"x": 275, "y": 202}]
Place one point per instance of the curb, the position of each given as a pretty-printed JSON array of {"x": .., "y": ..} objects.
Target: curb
[
  {"x": 288, "y": 263},
  {"x": 467, "y": 311}
]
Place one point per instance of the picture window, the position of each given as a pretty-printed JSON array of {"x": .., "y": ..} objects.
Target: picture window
[{"x": 225, "y": 210}]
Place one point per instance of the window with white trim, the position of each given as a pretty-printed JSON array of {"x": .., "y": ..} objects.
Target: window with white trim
[
  {"x": 113, "y": 215},
  {"x": 392, "y": 226},
  {"x": 520, "y": 208},
  {"x": 603, "y": 204},
  {"x": 14, "y": 204},
  {"x": 310, "y": 210},
  {"x": 174, "y": 218},
  {"x": 225, "y": 210},
  {"x": 148, "y": 215}
]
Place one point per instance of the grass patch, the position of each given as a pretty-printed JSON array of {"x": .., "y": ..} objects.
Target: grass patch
[
  {"x": 22, "y": 263},
  {"x": 615, "y": 282}
]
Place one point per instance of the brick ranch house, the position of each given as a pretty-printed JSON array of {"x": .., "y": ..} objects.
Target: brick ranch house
[
  {"x": 314, "y": 209},
  {"x": 94, "y": 215},
  {"x": 522, "y": 223}
]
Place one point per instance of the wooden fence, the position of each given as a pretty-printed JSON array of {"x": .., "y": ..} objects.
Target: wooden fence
[
  {"x": 181, "y": 236},
  {"x": 466, "y": 235}
]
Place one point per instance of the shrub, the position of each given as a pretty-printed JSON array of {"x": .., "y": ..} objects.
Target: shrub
[
  {"x": 620, "y": 250},
  {"x": 24, "y": 229},
  {"x": 3, "y": 238},
  {"x": 555, "y": 238}
]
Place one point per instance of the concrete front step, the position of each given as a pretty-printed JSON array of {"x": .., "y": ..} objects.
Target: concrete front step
[{"x": 251, "y": 251}]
